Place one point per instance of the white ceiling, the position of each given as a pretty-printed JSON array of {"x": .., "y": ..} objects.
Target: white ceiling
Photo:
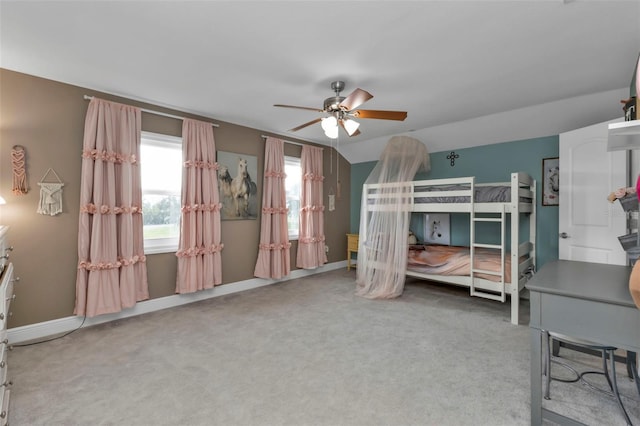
[{"x": 468, "y": 72}]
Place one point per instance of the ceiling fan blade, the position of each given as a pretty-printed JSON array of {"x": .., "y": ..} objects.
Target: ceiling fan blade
[
  {"x": 355, "y": 99},
  {"x": 298, "y": 107},
  {"x": 381, "y": 115},
  {"x": 302, "y": 126}
]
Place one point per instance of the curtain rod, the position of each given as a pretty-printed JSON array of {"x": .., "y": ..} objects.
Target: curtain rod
[
  {"x": 289, "y": 142},
  {"x": 150, "y": 111}
]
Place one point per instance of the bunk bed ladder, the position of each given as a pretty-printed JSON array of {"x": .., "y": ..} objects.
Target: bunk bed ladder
[{"x": 501, "y": 296}]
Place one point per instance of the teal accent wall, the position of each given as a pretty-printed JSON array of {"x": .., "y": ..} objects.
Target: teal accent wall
[{"x": 488, "y": 163}]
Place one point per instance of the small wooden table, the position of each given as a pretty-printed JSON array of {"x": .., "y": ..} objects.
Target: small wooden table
[{"x": 352, "y": 247}]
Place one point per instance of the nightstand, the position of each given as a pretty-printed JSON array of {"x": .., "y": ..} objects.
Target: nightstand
[{"x": 352, "y": 247}]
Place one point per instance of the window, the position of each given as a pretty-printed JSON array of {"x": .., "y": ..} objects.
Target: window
[
  {"x": 161, "y": 170},
  {"x": 293, "y": 187}
]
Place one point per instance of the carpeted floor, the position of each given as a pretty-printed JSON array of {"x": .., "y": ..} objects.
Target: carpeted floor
[{"x": 301, "y": 352}]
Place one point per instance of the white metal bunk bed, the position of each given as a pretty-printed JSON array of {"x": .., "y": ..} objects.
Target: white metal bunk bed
[{"x": 464, "y": 195}]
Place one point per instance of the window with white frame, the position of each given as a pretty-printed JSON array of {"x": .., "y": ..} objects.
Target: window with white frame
[
  {"x": 293, "y": 187},
  {"x": 161, "y": 170}
]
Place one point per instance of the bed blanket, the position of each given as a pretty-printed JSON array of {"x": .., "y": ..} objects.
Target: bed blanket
[{"x": 455, "y": 260}]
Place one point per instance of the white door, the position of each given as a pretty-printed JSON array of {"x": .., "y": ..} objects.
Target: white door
[{"x": 589, "y": 224}]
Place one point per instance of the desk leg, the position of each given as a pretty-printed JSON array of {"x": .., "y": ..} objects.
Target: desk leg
[
  {"x": 632, "y": 362},
  {"x": 536, "y": 376}
]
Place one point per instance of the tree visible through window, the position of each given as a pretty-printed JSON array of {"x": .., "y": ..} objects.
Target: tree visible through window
[
  {"x": 161, "y": 170},
  {"x": 293, "y": 187}
]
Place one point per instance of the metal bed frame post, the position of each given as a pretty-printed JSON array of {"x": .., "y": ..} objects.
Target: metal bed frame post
[{"x": 472, "y": 238}]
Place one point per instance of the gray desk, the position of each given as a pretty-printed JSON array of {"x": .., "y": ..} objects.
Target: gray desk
[{"x": 585, "y": 300}]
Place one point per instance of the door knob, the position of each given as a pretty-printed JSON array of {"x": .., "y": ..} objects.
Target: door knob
[{"x": 564, "y": 235}]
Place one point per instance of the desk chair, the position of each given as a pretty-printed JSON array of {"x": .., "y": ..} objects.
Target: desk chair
[{"x": 607, "y": 353}]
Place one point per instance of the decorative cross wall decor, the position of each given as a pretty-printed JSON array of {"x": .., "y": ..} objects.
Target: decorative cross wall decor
[{"x": 453, "y": 157}]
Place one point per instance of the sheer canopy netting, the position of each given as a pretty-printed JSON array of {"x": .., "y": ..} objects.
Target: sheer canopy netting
[{"x": 382, "y": 249}]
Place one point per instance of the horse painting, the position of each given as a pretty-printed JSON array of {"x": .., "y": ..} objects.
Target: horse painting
[
  {"x": 224, "y": 181},
  {"x": 238, "y": 193},
  {"x": 554, "y": 179},
  {"x": 550, "y": 182},
  {"x": 241, "y": 188}
]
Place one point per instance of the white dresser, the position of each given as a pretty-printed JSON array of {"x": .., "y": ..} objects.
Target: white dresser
[{"x": 6, "y": 296}]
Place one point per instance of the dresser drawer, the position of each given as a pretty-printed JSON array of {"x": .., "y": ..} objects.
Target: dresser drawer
[
  {"x": 4, "y": 412},
  {"x": 4, "y": 351},
  {"x": 6, "y": 292},
  {"x": 6, "y": 285},
  {"x": 5, "y": 382},
  {"x": 6, "y": 296},
  {"x": 5, "y": 249}
]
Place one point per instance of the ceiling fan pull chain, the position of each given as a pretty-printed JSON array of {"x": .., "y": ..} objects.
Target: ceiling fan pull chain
[
  {"x": 331, "y": 158},
  {"x": 338, "y": 165}
]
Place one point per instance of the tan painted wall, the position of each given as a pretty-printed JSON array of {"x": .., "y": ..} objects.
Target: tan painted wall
[{"x": 47, "y": 119}]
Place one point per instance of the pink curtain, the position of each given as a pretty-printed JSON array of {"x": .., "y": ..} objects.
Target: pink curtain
[
  {"x": 273, "y": 255},
  {"x": 311, "y": 239},
  {"x": 112, "y": 273},
  {"x": 199, "y": 259}
]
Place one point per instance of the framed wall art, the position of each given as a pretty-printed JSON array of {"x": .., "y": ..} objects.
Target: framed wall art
[
  {"x": 550, "y": 181},
  {"x": 238, "y": 185}
]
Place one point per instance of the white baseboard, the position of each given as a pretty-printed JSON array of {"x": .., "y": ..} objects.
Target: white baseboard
[{"x": 63, "y": 325}]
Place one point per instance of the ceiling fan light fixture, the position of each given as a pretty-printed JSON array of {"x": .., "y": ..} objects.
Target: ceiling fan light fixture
[
  {"x": 330, "y": 127},
  {"x": 328, "y": 123},
  {"x": 350, "y": 126},
  {"x": 332, "y": 133}
]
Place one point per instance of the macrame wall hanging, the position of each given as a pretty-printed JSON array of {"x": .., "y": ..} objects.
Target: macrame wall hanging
[
  {"x": 18, "y": 160},
  {"x": 50, "y": 195}
]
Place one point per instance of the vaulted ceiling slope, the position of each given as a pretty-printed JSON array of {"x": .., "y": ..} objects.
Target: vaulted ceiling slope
[{"x": 468, "y": 72}]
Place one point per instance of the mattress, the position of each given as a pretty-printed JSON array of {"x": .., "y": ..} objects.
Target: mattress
[
  {"x": 483, "y": 194},
  {"x": 455, "y": 260}
]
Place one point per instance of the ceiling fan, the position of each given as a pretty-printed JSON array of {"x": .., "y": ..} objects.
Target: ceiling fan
[{"x": 341, "y": 111}]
